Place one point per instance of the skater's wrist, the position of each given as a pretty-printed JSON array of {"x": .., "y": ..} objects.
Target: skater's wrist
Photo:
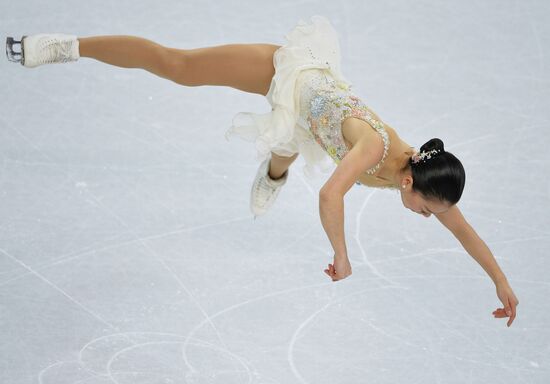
[{"x": 341, "y": 255}]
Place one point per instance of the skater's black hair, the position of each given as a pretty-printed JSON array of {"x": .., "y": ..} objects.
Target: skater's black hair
[{"x": 440, "y": 177}]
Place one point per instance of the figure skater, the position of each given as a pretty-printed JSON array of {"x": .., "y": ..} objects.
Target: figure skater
[{"x": 314, "y": 113}]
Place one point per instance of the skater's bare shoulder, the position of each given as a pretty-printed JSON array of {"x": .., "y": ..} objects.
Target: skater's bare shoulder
[{"x": 365, "y": 154}]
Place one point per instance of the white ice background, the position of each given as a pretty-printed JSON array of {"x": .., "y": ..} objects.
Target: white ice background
[{"x": 128, "y": 253}]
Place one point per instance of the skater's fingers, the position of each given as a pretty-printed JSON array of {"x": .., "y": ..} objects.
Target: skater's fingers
[{"x": 500, "y": 313}]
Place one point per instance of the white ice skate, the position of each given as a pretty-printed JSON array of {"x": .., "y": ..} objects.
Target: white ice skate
[
  {"x": 265, "y": 189},
  {"x": 43, "y": 49}
]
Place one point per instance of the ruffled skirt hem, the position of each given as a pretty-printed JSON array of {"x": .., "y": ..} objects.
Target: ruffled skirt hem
[{"x": 281, "y": 131}]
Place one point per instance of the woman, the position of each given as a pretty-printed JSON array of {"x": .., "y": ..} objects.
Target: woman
[{"x": 314, "y": 113}]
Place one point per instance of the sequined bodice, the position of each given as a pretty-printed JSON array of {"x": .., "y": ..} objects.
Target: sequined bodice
[{"x": 324, "y": 104}]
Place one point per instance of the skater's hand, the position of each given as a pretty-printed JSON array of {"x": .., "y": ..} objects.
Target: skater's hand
[
  {"x": 506, "y": 295},
  {"x": 341, "y": 268}
]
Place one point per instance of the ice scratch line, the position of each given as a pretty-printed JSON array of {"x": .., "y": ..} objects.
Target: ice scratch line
[
  {"x": 69, "y": 257},
  {"x": 57, "y": 288},
  {"x": 290, "y": 353},
  {"x": 357, "y": 238}
]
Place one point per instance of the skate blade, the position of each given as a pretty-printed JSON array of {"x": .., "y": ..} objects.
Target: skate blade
[{"x": 16, "y": 57}]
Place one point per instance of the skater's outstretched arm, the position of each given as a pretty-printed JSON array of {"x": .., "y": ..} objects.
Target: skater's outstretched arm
[
  {"x": 247, "y": 67},
  {"x": 453, "y": 220}
]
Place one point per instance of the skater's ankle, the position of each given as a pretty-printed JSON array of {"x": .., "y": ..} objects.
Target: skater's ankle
[{"x": 280, "y": 176}]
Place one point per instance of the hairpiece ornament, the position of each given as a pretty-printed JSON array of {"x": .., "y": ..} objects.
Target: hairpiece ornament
[{"x": 422, "y": 156}]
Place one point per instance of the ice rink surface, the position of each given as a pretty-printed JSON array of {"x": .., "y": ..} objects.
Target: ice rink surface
[{"x": 128, "y": 253}]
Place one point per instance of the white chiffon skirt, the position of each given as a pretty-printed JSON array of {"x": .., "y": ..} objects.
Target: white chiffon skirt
[{"x": 282, "y": 131}]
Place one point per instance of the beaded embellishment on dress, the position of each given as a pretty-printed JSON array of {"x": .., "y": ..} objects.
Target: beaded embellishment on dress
[
  {"x": 309, "y": 98},
  {"x": 325, "y": 104}
]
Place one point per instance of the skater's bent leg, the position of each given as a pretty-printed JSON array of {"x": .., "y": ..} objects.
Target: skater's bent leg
[{"x": 279, "y": 165}]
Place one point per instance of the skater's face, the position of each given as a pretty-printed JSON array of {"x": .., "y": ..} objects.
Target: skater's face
[{"x": 417, "y": 203}]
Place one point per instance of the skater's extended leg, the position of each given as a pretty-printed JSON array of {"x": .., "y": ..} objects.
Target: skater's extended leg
[
  {"x": 128, "y": 52},
  {"x": 247, "y": 67}
]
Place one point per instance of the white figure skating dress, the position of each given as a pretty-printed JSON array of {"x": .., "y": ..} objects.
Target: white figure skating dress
[{"x": 310, "y": 98}]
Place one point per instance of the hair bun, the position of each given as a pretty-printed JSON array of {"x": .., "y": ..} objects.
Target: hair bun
[{"x": 432, "y": 144}]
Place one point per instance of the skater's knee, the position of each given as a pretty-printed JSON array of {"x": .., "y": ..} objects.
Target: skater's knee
[
  {"x": 285, "y": 156},
  {"x": 175, "y": 63}
]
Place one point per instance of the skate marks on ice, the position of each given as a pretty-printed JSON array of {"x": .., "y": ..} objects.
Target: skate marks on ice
[
  {"x": 140, "y": 357},
  {"x": 144, "y": 357}
]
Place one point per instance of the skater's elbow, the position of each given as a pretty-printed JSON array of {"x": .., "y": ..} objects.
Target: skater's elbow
[{"x": 330, "y": 194}]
